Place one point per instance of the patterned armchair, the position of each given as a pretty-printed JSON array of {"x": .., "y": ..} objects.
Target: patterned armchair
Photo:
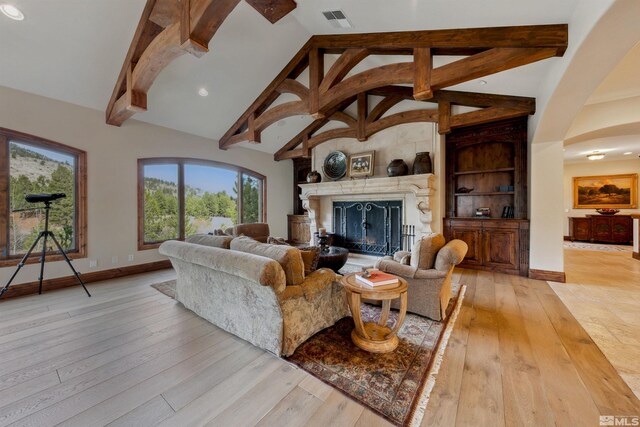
[{"x": 427, "y": 269}]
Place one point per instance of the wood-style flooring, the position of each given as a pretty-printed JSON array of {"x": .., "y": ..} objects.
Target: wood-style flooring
[
  {"x": 603, "y": 294},
  {"x": 130, "y": 356}
]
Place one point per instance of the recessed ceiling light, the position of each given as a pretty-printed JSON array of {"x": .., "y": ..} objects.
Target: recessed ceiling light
[
  {"x": 483, "y": 82},
  {"x": 203, "y": 92},
  {"x": 11, "y": 12},
  {"x": 627, "y": 153}
]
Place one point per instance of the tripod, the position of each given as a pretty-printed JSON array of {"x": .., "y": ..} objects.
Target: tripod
[{"x": 44, "y": 234}]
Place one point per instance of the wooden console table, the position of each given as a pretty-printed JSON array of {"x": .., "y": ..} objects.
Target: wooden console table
[{"x": 602, "y": 228}]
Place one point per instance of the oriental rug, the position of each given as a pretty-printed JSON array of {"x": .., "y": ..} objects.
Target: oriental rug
[{"x": 395, "y": 385}]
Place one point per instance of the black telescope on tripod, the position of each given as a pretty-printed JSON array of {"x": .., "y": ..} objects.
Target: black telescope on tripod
[{"x": 45, "y": 234}]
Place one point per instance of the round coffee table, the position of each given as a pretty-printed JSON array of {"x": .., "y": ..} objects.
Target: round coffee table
[
  {"x": 334, "y": 258},
  {"x": 375, "y": 337}
]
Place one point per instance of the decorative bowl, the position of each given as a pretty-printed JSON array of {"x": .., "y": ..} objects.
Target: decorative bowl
[
  {"x": 335, "y": 165},
  {"x": 606, "y": 211}
]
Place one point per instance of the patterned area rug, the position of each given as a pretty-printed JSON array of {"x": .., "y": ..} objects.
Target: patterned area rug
[
  {"x": 395, "y": 385},
  {"x": 597, "y": 247},
  {"x": 168, "y": 288}
]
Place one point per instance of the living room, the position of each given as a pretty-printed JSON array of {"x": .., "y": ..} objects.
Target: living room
[{"x": 57, "y": 73}]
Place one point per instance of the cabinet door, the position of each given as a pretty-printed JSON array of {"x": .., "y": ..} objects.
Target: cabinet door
[
  {"x": 500, "y": 248},
  {"x": 621, "y": 229},
  {"x": 580, "y": 228},
  {"x": 601, "y": 228},
  {"x": 473, "y": 238}
]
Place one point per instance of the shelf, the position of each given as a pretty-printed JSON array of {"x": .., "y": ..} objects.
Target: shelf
[
  {"x": 490, "y": 193},
  {"x": 484, "y": 171}
]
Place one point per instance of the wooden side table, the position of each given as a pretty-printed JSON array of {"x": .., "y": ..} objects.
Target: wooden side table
[{"x": 375, "y": 337}]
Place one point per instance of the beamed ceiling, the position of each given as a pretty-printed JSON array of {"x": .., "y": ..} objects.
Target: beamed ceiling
[{"x": 347, "y": 84}]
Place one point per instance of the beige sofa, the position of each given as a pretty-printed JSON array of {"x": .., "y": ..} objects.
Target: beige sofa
[
  {"x": 427, "y": 269},
  {"x": 256, "y": 291}
]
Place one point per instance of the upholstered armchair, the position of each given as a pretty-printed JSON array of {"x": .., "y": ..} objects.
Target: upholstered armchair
[
  {"x": 427, "y": 269},
  {"x": 257, "y": 231}
]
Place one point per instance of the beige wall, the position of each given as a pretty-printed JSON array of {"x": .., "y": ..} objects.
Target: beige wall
[
  {"x": 572, "y": 170},
  {"x": 112, "y": 155},
  {"x": 546, "y": 207}
]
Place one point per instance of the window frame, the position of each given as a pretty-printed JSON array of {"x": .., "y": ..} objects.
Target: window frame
[
  {"x": 181, "y": 162},
  {"x": 80, "y": 208}
]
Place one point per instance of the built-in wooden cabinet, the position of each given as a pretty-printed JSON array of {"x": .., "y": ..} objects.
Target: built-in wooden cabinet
[
  {"x": 299, "y": 232},
  {"x": 486, "y": 172},
  {"x": 301, "y": 167},
  {"x": 602, "y": 228},
  {"x": 494, "y": 244}
]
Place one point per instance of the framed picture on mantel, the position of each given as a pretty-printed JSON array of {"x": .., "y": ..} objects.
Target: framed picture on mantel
[
  {"x": 361, "y": 164},
  {"x": 605, "y": 191}
]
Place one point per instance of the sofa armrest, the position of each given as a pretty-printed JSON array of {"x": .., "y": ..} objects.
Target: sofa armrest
[
  {"x": 430, "y": 274},
  {"x": 392, "y": 267},
  {"x": 261, "y": 270},
  {"x": 398, "y": 256},
  {"x": 451, "y": 255},
  {"x": 317, "y": 281}
]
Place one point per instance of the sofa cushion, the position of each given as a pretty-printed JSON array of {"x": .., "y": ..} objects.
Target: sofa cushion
[
  {"x": 423, "y": 253},
  {"x": 310, "y": 258},
  {"x": 288, "y": 257},
  {"x": 210, "y": 240}
]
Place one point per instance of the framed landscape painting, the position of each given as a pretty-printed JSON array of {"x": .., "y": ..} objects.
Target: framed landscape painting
[{"x": 606, "y": 191}]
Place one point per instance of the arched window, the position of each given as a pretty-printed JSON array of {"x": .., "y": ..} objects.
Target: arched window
[
  {"x": 180, "y": 197},
  {"x": 31, "y": 165}
]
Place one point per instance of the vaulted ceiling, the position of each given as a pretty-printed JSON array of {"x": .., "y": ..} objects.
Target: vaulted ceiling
[{"x": 72, "y": 50}]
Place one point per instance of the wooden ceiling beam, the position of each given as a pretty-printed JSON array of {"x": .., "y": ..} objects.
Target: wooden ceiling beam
[
  {"x": 363, "y": 109},
  {"x": 413, "y": 116},
  {"x": 485, "y": 116},
  {"x": 553, "y": 36},
  {"x": 370, "y": 79},
  {"x": 166, "y": 30},
  {"x": 293, "y": 87},
  {"x": 279, "y": 112},
  {"x": 345, "y": 63},
  {"x": 292, "y": 70},
  {"x": 273, "y": 10},
  {"x": 423, "y": 66},
  {"x": 491, "y": 50},
  {"x": 483, "y": 64}
]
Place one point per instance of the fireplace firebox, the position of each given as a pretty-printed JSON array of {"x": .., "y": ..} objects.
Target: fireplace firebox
[{"x": 373, "y": 228}]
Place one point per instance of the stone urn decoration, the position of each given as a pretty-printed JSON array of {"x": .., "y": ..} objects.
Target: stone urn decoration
[
  {"x": 422, "y": 163},
  {"x": 314, "y": 177},
  {"x": 397, "y": 167}
]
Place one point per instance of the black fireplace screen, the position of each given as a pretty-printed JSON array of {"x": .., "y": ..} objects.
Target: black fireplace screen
[{"x": 373, "y": 228}]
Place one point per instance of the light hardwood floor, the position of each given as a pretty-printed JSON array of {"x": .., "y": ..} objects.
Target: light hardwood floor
[{"x": 131, "y": 356}]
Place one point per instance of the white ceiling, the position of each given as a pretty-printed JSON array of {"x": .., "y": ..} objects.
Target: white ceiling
[
  {"x": 622, "y": 82},
  {"x": 72, "y": 50}
]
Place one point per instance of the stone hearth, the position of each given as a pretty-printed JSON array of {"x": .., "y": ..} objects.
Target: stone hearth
[{"x": 415, "y": 191}]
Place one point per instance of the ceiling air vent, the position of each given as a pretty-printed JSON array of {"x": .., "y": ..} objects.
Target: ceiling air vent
[{"x": 337, "y": 19}]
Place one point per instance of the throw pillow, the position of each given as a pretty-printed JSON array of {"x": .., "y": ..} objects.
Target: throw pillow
[
  {"x": 310, "y": 258},
  {"x": 277, "y": 241},
  {"x": 406, "y": 260}
]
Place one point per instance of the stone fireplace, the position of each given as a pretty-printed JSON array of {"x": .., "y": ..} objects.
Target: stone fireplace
[{"x": 412, "y": 196}]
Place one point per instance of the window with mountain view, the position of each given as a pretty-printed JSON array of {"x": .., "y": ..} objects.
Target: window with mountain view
[
  {"x": 182, "y": 197},
  {"x": 32, "y": 165}
]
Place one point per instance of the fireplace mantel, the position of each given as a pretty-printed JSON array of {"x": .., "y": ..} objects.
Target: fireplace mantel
[{"x": 421, "y": 187}]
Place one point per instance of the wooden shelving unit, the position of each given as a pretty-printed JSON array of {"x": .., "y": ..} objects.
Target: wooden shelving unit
[{"x": 488, "y": 158}]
